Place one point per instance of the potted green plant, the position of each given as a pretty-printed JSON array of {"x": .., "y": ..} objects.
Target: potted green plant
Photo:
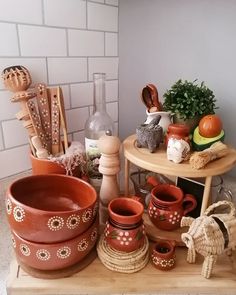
[{"x": 189, "y": 101}]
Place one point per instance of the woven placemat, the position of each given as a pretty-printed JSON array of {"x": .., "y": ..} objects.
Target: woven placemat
[{"x": 122, "y": 261}]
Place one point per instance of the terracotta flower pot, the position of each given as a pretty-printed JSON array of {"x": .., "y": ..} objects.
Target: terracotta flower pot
[
  {"x": 168, "y": 205},
  {"x": 50, "y": 208},
  {"x": 55, "y": 256},
  {"x": 163, "y": 255}
]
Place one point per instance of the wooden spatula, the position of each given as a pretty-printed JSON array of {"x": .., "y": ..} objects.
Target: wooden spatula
[{"x": 62, "y": 116}]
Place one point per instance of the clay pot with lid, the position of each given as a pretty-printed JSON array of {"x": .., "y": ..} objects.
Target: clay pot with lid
[
  {"x": 124, "y": 229},
  {"x": 163, "y": 255},
  {"x": 50, "y": 208}
]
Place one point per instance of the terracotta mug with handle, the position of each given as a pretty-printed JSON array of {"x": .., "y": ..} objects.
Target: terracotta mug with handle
[{"x": 168, "y": 205}]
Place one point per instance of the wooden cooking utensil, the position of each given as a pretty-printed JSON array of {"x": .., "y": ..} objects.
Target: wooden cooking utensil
[
  {"x": 150, "y": 98},
  {"x": 62, "y": 116},
  {"x": 44, "y": 112},
  {"x": 40, "y": 151},
  {"x": 35, "y": 119},
  {"x": 55, "y": 120},
  {"x": 17, "y": 79}
]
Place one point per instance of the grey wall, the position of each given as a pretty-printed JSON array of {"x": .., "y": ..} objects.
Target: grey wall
[{"x": 162, "y": 41}]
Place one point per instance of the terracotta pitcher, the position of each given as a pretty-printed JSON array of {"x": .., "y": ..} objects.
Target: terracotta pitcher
[{"x": 168, "y": 205}]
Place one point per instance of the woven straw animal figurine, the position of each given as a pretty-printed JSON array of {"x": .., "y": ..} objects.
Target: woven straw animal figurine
[{"x": 211, "y": 234}]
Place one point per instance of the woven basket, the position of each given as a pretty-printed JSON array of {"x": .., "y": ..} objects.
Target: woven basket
[{"x": 121, "y": 261}]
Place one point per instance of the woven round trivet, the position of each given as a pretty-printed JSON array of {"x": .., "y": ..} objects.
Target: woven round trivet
[{"x": 122, "y": 261}]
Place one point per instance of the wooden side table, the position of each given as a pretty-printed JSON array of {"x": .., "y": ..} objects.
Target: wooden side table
[{"x": 157, "y": 162}]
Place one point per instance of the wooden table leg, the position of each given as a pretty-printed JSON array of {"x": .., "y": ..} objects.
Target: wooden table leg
[
  {"x": 206, "y": 194},
  {"x": 127, "y": 164}
]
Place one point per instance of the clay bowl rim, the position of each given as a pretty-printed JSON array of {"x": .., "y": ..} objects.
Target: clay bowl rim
[
  {"x": 155, "y": 200},
  {"x": 124, "y": 219},
  {"x": 11, "y": 197}
]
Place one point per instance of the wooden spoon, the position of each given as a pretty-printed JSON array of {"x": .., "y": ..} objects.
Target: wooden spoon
[{"x": 150, "y": 98}]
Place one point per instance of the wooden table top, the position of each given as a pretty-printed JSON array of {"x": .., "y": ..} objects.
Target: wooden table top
[
  {"x": 158, "y": 162},
  {"x": 96, "y": 279}
]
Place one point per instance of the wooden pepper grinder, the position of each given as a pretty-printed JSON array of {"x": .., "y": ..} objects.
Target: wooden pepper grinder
[{"x": 109, "y": 166}]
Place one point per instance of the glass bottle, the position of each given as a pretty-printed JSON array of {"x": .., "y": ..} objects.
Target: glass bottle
[{"x": 98, "y": 124}]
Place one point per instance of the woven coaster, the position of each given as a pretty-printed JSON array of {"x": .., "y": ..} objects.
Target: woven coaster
[{"x": 122, "y": 261}]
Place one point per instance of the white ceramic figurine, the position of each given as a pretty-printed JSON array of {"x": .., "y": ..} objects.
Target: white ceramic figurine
[{"x": 177, "y": 150}]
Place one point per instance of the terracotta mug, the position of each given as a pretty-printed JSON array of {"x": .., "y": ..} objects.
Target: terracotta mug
[
  {"x": 168, "y": 205},
  {"x": 124, "y": 229},
  {"x": 163, "y": 255}
]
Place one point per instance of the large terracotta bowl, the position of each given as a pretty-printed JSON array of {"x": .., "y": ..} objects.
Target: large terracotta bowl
[
  {"x": 55, "y": 256},
  {"x": 50, "y": 208}
]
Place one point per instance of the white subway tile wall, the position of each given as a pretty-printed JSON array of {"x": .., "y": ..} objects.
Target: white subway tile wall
[
  {"x": 92, "y": 45},
  {"x": 102, "y": 17},
  {"x": 65, "y": 13},
  {"x": 24, "y": 11},
  {"x": 8, "y": 35},
  {"x": 60, "y": 42},
  {"x": 111, "y": 48},
  {"x": 81, "y": 94},
  {"x": 42, "y": 41},
  {"x": 19, "y": 134}
]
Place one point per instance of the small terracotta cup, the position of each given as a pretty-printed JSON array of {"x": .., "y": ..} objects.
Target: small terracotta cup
[{"x": 163, "y": 255}]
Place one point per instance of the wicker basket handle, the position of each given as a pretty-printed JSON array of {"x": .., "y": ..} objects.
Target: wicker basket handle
[{"x": 210, "y": 210}]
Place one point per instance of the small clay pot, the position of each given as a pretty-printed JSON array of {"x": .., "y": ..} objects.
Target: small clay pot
[
  {"x": 50, "y": 208},
  {"x": 55, "y": 256},
  {"x": 163, "y": 255},
  {"x": 125, "y": 240},
  {"x": 125, "y": 211},
  {"x": 178, "y": 131}
]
